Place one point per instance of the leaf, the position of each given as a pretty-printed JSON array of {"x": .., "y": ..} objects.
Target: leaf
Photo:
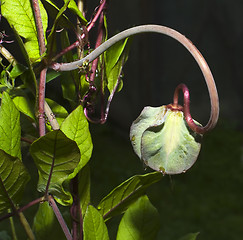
[
  {"x": 161, "y": 138},
  {"x": 68, "y": 79},
  {"x": 28, "y": 77},
  {"x": 51, "y": 75},
  {"x": 10, "y": 132},
  {"x": 94, "y": 226},
  {"x": 51, "y": 40},
  {"x": 13, "y": 178},
  {"x": 73, "y": 7},
  {"x": 24, "y": 23},
  {"x": 60, "y": 113},
  {"x": 190, "y": 236},
  {"x": 120, "y": 198},
  {"x": 84, "y": 188},
  {"x": 43, "y": 221},
  {"x": 76, "y": 127},
  {"x": 53, "y": 10},
  {"x": 140, "y": 221},
  {"x": 115, "y": 58},
  {"x": 57, "y": 155},
  {"x": 17, "y": 70},
  {"x": 24, "y": 106}
]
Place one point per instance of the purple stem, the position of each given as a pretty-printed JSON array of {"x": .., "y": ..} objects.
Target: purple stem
[
  {"x": 42, "y": 83},
  {"x": 42, "y": 86},
  {"x": 186, "y": 108},
  {"x": 30, "y": 204},
  {"x": 59, "y": 217},
  {"x": 75, "y": 211},
  {"x": 77, "y": 43}
]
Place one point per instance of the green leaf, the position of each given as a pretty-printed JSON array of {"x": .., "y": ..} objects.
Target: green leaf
[
  {"x": 190, "y": 236},
  {"x": 53, "y": 10},
  {"x": 51, "y": 75},
  {"x": 68, "y": 79},
  {"x": 24, "y": 106},
  {"x": 76, "y": 127},
  {"x": 19, "y": 15},
  {"x": 120, "y": 198},
  {"x": 44, "y": 221},
  {"x": 13, "y": 178},
  {"x": 51, "y": 40},
  {"x": 161, "y": 138},
  {"x": 17, "y": 70},
  {"x": 59, "y": 111},
  {"x": 140, "y": 221},
  {"x": 94, "y": 226},
  {"x": 28, "y": 76},
  {"x": 115, "y": 58},
  {"x": 73, "y": 7},
  {"x": 84, "y": 188},
  {"x": 56, "y": 155},
  {"x": 10, "y": 132}
]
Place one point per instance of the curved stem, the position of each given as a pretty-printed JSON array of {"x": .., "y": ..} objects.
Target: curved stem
[
  {"x": 186, "y": 109},
  {"x": 166, "y": 31}
]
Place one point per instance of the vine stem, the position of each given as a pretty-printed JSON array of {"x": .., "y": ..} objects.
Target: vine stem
[
  {"x": 186, "y": 108},
  {"x": 90, "y": 26},
  {"x": 213, "y": 94},
  {"x": 42, "y": 82},
  {"x": 59, "y": 217}
]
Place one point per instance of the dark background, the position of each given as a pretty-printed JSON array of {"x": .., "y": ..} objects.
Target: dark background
[{"x": 208, "y": 197}]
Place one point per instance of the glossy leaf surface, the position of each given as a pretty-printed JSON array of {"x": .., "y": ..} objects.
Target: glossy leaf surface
[
  {"x": 94, "y": 226},
  {"x": 44, "y": 221},
  {"x": 25, "y": 23},
  {"x": 10, "y": 132},
  {"x": 118, "y": 200},
  {"x": 76, "y": 127},
  {"x": 161, "y": 138},
  {"x": 24, "y": 106},
  {"x": 140, "y": 221},
  {"x": 115, "y": 58},
  {"x": 13, "y": 178},
  {"x": 56, "y": 155}
]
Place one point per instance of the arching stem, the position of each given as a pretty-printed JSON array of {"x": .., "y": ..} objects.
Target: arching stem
[
  {"x": 166, "y": 31},
  {"x": 186, "y": 109}
]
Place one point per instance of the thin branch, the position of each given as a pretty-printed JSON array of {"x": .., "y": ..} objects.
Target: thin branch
[
  {"x": 39, "y": 26},
  {"x": 100, "y": 9},
  {"x": 59, "y": 217},
  {"x": 30, "y": 204},
  {"x": 26, "y": 226},
  {"x": 166, "y": 31},
  {"x": 41, "y": 107},
  {"x": 91, "y": 25}
]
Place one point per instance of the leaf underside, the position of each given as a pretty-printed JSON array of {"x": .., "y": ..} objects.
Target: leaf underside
[{"x": 57, "y": 155}]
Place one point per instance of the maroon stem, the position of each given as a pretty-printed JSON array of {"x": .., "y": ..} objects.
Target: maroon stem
[
  {"x": 186, "y": 108},
  {"x": 59, "y": 217},
  {"x": 101, "y": 8},
  {"x": 91, "y": 25},
  {"x": 30, "y": 204},
  {"x": 75, "y": 211},
  {"x": 42, "y": 85},
  {"x": 98, "y": 43},
  {"x": 39, "y": 26}
]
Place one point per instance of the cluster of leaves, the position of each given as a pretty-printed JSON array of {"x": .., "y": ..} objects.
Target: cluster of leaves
[{"x": 63, "y": 154}]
